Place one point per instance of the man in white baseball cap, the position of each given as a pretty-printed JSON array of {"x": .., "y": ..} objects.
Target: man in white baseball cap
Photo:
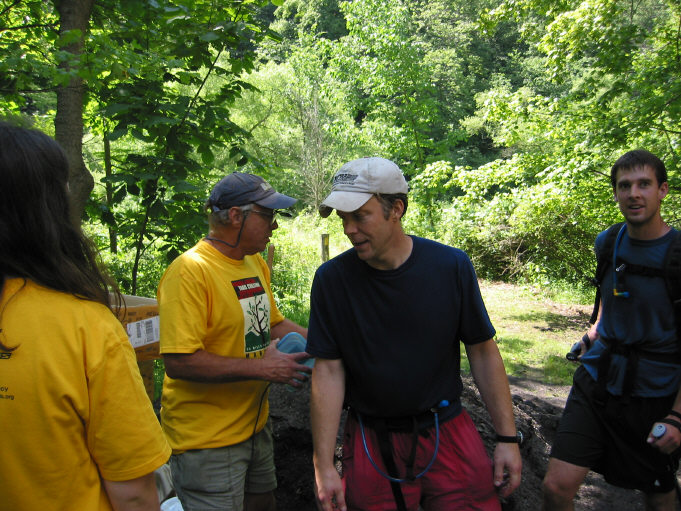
[
  {"x": 386, "y": 319},
  {"x": 357, "y": 181}
]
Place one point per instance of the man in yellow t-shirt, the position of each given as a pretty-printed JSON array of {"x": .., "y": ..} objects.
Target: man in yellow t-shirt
[{"x": 218, "y": 317}]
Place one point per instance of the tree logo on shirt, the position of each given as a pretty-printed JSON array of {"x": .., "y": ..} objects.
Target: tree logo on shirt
[{"x": 256, "y": 307}]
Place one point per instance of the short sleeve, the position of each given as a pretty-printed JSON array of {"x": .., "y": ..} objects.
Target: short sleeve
[
  {"x": 123, "y": 434},
  {"x": 476, "y": 326},
  {"x": 183, "y": 308},
  {"x": 320, "y": 339}
]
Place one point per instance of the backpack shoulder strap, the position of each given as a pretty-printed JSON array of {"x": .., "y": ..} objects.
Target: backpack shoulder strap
[
  {"x": 672, "y": 268},
  {"x": 603, "y": 259},
  {"x": 672, "y": 279}
]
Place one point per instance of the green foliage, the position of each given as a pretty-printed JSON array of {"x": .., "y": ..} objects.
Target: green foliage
[
  {"x": 321, "y": 17},
  {"x": 26, "y": 29},
  {"x": 146, "y": 66},
  {"x": 165, "y": 121},
  {"x": 298, "y": 122},
  {"x": 521, "y": 219},
  {"x": 505, "y": 114},
  {"x": 297, "y": 255},
  {"x": 152, "y": 265}
]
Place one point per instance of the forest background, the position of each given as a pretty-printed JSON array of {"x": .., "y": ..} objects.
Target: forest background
[{"x": 505, "y": 115}]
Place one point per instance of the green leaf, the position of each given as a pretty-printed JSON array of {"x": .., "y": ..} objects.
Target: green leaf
[{"x": 209, "y": 37}]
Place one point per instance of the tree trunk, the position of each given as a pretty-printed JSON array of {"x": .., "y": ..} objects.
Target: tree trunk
[
  {"x": 68, "y": 123},
  {"x": 113, "y": 237}
]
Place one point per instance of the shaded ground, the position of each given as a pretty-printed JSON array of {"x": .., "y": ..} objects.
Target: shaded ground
[{"x": 537, "y": 407}]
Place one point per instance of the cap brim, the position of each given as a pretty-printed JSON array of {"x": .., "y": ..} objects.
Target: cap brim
[
  {"x": 343, "y": 201},
  {"x": 277, "y": 201}
]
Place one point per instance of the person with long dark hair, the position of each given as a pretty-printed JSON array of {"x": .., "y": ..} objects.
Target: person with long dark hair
[{"x": 78, "y": 429}]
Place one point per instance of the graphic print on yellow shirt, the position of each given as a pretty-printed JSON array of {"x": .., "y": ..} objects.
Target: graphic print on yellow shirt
[{"x": 255, "y": 304}]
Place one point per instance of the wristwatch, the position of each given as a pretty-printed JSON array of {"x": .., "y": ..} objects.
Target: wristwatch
[{"x": 517, "y": 439}]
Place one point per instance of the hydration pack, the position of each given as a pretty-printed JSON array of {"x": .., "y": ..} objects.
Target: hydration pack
[{"x": 670, "y": 272}]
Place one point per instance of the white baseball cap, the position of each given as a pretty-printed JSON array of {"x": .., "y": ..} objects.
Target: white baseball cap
[{"x": 358, "y": 180}]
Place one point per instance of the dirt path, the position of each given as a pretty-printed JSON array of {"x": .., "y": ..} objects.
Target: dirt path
[{"x": 537, "y": 406}]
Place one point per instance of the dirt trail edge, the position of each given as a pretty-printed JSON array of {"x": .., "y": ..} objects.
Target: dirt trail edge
[{"x": 537, "y": 408}]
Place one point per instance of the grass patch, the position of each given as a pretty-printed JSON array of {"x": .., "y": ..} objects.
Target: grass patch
[{"x": 534, "y": 331}]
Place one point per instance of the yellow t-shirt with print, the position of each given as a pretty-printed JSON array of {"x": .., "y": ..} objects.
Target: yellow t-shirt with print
[
  {"x": 72, "y": 403},
  {"x": 208, "y": 301}
]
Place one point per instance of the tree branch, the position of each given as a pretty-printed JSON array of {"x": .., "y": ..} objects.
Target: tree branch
[
  {"x": 9, "y": 7},
  {"x": 262, "y": 121},
  {"x": 33, "y": 25}
]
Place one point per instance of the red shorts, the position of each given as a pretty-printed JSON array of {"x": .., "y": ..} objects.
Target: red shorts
[{"x": 461, "y": 478}]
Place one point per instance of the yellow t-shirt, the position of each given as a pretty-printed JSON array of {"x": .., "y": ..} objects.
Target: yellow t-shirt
[
  {"x": 72, "y": 403},
  {"x": 210, "y": 302}
]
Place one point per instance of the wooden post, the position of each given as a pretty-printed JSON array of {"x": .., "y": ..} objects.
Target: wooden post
[
  {"x": 270, "y": 256},
  {"x": 325, "y": 247}
]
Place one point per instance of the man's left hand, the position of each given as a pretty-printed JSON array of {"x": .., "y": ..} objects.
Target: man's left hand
[
  {"x": 670, "y": 441},
  {"x": 507, "y": 468}
]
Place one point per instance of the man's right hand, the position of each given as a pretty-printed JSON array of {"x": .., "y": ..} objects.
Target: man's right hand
[
  {"x": 329, "y": 490},
  {"x": 282, "y": 367}
]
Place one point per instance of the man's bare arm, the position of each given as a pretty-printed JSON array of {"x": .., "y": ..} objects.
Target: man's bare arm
[
  {"x": 492, "y": 382},
  {"x": 326, "y": 403}
]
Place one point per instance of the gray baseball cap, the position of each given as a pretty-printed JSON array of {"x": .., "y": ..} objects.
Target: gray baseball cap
[
  {"x": 358, "y": 180},
  {"x": 239, "y": 189}
]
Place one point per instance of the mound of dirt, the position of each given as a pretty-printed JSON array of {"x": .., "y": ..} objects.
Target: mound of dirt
[{"x": 537, "y": 409}]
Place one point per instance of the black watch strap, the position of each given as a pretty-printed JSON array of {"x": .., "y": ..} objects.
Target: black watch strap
[
  {"x": 517, "y": 439},
  {"x": 673, "y": 422},
  {"x": 674, "y": 413}
]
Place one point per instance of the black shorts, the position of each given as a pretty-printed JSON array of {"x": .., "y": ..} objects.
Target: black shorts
[{"x": 610, "y": 437}]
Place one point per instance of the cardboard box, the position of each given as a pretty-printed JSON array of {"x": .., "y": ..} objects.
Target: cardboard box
[
  {"x": 140, "y": 318},
  {"x": 141, "y": 321}
]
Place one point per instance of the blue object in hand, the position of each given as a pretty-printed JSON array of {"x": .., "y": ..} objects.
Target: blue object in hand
[
  {"x": 293, "y": 342},
  {"x": 659, "y": 430}
]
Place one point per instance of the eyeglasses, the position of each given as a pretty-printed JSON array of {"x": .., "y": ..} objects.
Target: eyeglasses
[{"x": 270, "y": 215}]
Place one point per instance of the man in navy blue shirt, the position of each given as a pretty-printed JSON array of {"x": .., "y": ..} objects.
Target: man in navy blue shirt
[{"x": 387, "y": 318}]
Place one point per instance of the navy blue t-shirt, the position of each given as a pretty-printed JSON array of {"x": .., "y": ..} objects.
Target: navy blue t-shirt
[
  {"x": 398, "y": 331},
  {"x": 645, "y": 319}
]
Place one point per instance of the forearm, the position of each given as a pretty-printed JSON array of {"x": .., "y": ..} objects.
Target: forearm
[
  {"x": 326, "y": 403},
  {"x": 134, "y": 495},
  {"x": 205, "y": 367},
  {"x": 281, "y": 329},
  {"x": 490, "y": 377},
  {"x": 593, "y": 329}
]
